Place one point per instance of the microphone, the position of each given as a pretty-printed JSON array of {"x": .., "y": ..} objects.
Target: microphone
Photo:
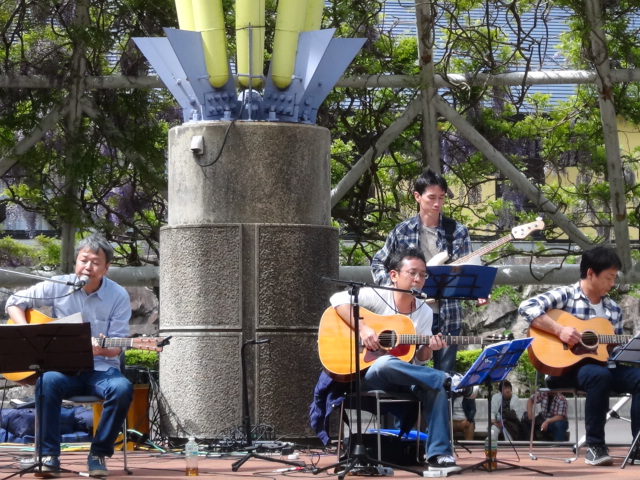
[
  {"x": 422, "y": 296},
  {"x": 81, "y": 282},
  {"x": 419, "y": 294}
]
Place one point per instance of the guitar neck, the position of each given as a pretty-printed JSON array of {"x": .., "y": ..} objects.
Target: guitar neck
[
  {"x": 404, "y": 339},
  {"x": 484, "y": 250},
  {"x": 614, "y": 339},
  {"x": 116, "y": 342}
]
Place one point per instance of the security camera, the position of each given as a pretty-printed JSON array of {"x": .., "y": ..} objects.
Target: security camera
[{"x": 197, "y": 145}]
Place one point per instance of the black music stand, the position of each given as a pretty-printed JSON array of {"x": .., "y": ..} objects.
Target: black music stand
[
  {"x": 629, "y": 353},
  {"x": 459, "y": 281},
  {"x": 492, "y": 366},
  {"x": 246, "y": 421},
  {"x": 60, "y": 347}
]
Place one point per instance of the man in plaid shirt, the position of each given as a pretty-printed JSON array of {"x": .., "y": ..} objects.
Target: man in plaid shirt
[
  {"x": 553, "y": 413},
  {"x": 426, "y": 232},
  {"x": 588, "y": 299}
]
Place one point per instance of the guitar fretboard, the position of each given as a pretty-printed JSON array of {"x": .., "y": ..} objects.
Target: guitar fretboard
[
  {"x": 613, "y": 339},
  {"x": 115, "y": 342},
  {"x": 483, "y": 250},
  {"x": 450, "y": 339}
]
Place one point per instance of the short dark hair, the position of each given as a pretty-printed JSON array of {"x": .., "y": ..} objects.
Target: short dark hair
[
  {"x": 505, "y": 383},
  {"x": 598, "y": 259},
  {"x": 429, "y": 178},
  {"x": 394, "y": 261},
  {"x": 96, "y": 242}
]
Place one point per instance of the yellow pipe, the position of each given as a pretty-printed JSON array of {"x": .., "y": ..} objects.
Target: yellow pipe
[
  {"x": 290, "y": 21},
  {"x": 249, "y": 13},
  {"x": 209, "y": 20},
  {"x": 314, "y": 15},
  {"x": 184, "y": 9}
]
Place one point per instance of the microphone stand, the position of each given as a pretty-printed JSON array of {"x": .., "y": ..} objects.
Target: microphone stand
[
  {"x": 359, "y": 458},
  {"x": 246, "y": 416},
  {"x": 79, "y": 283}
]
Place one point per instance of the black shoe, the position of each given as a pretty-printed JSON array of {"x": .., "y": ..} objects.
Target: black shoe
[
  {"x": 635, "y": 459},
  {"x": 598, "y": 454},
  {"x": 443, "y": 463},
  {"x": 50, "y": 467}
]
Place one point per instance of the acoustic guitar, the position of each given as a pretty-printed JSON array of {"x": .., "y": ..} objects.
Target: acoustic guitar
[
  {"x": 139, "y": 343},
  {"x": 551, "y": 356},
  {"x": 396, "y": 334},
  {"x": 517, "y": 233}
]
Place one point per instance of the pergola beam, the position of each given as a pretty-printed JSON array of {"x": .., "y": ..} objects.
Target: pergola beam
[{"x": 546, "y": 77}]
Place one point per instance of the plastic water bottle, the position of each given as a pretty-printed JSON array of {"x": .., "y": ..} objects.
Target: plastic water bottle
[
  {"x": 491, "y": 452},
  {"x": 191, "y": 455}
]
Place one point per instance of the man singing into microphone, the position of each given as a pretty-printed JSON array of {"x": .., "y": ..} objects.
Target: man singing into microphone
[
  {"x": 106, "y": 306},
  {"x": 408, "y": 271}
]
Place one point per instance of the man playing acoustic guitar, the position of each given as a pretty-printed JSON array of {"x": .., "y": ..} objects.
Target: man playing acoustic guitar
[
  {"x": 106, "y": 306},
  {"x": 584, "y": 302},
  {"x": 407, "y": 270}
]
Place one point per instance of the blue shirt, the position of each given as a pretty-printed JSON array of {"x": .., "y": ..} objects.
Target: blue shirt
[
  {"x": 573, "y": 300},
  {"x": 108, "y": 309},
  {"x": 407, "y": 235}
]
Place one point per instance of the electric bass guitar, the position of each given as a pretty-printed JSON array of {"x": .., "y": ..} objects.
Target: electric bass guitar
[
  {"x": 549, "y": 355},
  {"x": 396, "y": 334},
  {"x": 517, "y": 233},
  {"x": 139, "y": 343}
]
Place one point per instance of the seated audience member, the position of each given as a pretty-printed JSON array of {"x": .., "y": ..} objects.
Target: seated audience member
[
  {"x": 506, "y": 411},
  {"x": 551, "y": 423},
  {"x": 463, "y": 415}
]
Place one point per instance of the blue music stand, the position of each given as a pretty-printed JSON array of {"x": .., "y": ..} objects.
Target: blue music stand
[
  {"x": 459, "y": 281},
  {"x": 492, "y": 366}
]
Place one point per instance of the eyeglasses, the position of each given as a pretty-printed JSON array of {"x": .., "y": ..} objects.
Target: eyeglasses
[{"x": 418, "y": 275}]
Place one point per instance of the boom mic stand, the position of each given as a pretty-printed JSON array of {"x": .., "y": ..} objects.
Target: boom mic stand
[
  {"x": 359, "y": 458},
  {"x": 246, "y": 416}
]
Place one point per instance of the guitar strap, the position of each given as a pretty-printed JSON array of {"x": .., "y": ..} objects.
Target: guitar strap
[{"x": 449, "y": 225}]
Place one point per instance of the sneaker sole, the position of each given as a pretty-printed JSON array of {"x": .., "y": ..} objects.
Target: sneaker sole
[
  {"x": 445, "y": 469},
  {"x": 602, "y": 462},
  {"x": 99, "y": 473}
]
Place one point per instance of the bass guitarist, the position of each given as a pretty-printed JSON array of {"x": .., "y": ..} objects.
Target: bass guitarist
[
  {"x": 106, "y": 306},
  {"x": 407, "y": 270},
  {"x": 432, "y": 233},
  {"x": 588, "y": 299}
]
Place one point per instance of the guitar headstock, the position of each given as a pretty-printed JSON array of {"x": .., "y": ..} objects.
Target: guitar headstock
[
  {"x": 498, "y": 338},
  {"x": 149, "y": 343},
  {"x": 522, "y": 231}
]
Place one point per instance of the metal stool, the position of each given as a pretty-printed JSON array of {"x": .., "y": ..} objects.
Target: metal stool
[{"x": 380, "y": 398}]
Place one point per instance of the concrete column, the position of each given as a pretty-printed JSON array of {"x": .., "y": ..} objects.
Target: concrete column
[{"x": 242, "y": 256}]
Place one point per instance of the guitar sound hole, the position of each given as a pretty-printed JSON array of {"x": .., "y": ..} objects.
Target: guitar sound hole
[
  {"x": 388, "y": 339},
  {"x": 589, "y": 339}
]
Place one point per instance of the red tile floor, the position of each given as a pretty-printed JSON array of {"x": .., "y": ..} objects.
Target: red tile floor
[{"x": 167, "y": 466}]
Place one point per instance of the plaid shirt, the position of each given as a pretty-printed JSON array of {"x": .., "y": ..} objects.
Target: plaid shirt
[
  {"x": 558, "y": 404},
  {"x": 407, "y": 234},
  {"x": 571, "y": 299}
]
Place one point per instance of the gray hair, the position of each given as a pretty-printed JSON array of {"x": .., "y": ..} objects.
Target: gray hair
[{"x": 96, "y": 242}]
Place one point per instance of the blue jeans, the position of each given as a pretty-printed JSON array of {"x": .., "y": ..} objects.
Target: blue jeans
[
  {"x": 391, "y": 374},
  {"x": 110, "y": 385},
  {"x": 599, "y": 382},
  {"x": 558, "y": 429}
]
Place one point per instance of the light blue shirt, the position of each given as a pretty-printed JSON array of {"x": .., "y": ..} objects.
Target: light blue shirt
[{"x": 108, "y": 309}]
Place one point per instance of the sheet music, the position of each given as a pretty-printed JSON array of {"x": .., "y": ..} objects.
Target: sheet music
[{"x": 75, "y": 318}]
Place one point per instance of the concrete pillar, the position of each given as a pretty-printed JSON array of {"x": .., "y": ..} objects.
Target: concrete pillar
[{"x": 247, "y": 242}]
